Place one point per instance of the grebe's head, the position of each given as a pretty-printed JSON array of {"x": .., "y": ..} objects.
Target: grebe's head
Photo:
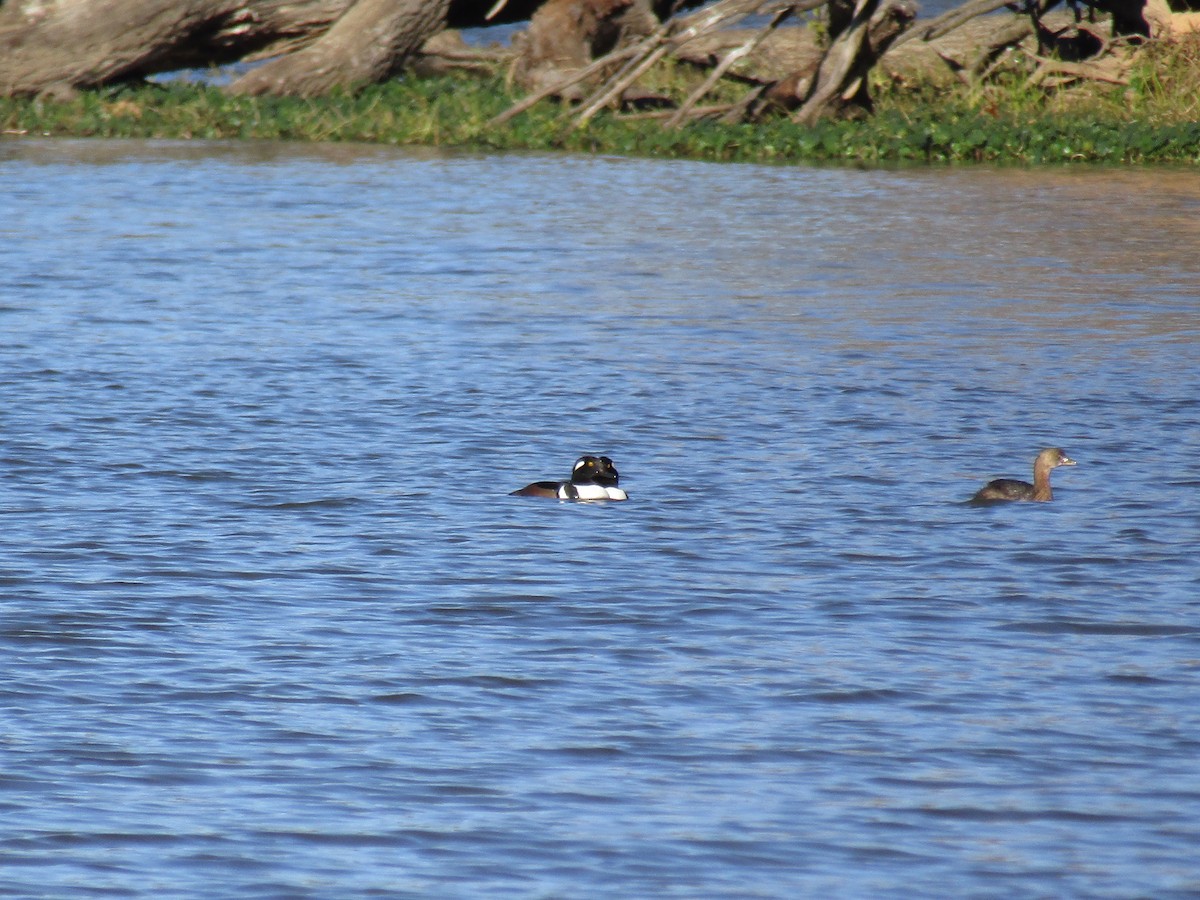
[{"x": 1053, "y": 457}]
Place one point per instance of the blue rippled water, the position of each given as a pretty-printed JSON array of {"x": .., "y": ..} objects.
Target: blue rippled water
[{"x": 272, "y": 626}]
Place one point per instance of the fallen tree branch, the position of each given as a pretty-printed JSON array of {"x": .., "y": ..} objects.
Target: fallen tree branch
[
  {"x": 559, "y": 86},
  {"x": 658, "y": 45},
  {"x": 948, "y": 21},
  {"x": 741, "y": 109},
  {"x": 1109, "y": 70},
  {"x": 834, "y": 69},
  {"x": 370, "y": 41},
  {"x": 726, "y": 64},
  {"x": 617, "y": 86},
  {"x": 840, "y": 82}
]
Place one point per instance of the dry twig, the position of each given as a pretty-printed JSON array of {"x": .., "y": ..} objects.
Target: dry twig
[
  {"x": 559, "y": 86},
  {"x": 654, "y": 48},
  {"x": 1111, "y": 70},
  {"x": 948, "y": 21},
  {"x": 718, "y": 72}
]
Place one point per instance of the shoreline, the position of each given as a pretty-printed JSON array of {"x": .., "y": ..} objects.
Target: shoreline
[{"x": 1147, "y": 122}]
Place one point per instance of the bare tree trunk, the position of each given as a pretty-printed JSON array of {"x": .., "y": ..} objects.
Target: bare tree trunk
[
  {"x": 863, "y": 34},
  {"x": 62, "y": 44},
  {"x": 85, "y": 43},
  {"x": 46, "y": 44},
  {"x": 368, "y": 43}
]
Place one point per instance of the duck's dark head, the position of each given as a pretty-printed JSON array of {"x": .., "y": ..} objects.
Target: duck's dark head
[{"x": 595, "y": 470}]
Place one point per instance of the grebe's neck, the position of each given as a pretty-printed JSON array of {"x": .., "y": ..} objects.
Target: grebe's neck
[{"x": 1041, "y": 480}]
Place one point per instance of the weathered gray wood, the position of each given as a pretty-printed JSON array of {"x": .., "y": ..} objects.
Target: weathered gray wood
[
  {"x": 727, "y": 62},
  {"x": 951, "y": 19},
  {"x": 567, "y": 81},
  {"x": 618, "y": 86},
  {"x": 87, "y": 43},
  {"x": 66, "y": 44},
  {"x": 790, "y": 49},
  {"x": 369, "y": 42},
  {"x": 833, "y": 73},
  {"x": 43, "y": 45},
  {"x": 840, "y": 80},
  {"x": 678, "y": 33}
]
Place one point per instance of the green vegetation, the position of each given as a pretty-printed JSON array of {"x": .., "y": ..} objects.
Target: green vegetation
[{"x": 1155, "y": 118}]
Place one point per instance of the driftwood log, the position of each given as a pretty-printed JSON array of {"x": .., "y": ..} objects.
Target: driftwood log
[
  {"x": 62, "y": 45},
  {"x": 368, "y": 43},
  {"x": 89, "y": 43},
  {"x": 794, "y": 72},
  {"x": 596, "y": 52},
  {"x": 958, "y": 55},
  {"x": 57, "y": 45},
  {"x": 860, "y": 35},
  {"x": 620, "y": 69}
]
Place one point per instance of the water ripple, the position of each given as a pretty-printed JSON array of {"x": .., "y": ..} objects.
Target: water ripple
[{"x": 273, "y": 626}]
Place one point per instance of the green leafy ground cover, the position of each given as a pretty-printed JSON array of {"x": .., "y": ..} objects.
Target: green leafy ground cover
[{"x": 1153, "y": 119}]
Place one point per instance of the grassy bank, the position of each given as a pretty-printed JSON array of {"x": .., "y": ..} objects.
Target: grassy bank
[{"x": 1154, "y": 119}]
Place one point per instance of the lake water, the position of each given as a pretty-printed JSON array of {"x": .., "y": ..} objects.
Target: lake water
[{"x": 272, "y": 626}]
